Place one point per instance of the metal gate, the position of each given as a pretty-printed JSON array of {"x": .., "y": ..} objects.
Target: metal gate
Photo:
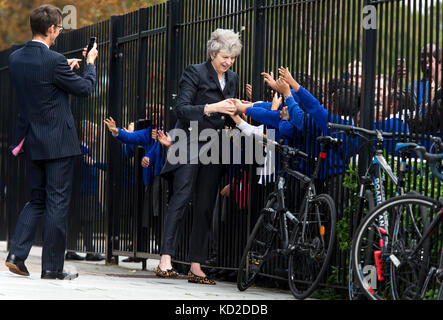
[{"x": 324, "y": 43}]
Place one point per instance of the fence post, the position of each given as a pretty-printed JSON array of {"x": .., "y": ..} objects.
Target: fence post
[
  {"x": 368, "y": 87},
  {"x": 173, "y": 49},
  {"x": 141, "y": 114},
  {"x": 12, "y": 184},
  {"x": 114, "y": 163},
  {"x": 5, "y": 159},
  {"x": 142, "y": 63},
  {"x": 259, "y": 45},
  {"x": 257, "y": 89}
]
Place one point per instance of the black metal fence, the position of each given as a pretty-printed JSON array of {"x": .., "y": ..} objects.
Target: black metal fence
[{"x": 325, "y": 43}]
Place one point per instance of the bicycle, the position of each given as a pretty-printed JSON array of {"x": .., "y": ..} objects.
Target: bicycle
[
  {"x": 401, "y": 250},
  {"x": 305, "y": 237},
  {"x": 371, "y": 191}
]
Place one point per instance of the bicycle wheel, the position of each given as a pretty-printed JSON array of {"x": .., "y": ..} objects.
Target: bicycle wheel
[
  {"x": 258, "y": 246},
  {"x": 312, "y": 246},
  {"x": 384, "y": 239},
  {"x": 408, "y": 278},
  {"x": 354, "y": 290},
  {"x": 440, "y": 292}
]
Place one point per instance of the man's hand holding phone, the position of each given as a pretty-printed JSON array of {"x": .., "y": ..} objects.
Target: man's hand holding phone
[{"x": 92, "y": 54}]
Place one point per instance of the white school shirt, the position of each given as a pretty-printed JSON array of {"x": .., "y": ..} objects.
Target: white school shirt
[{"x": 264, "y": 172}]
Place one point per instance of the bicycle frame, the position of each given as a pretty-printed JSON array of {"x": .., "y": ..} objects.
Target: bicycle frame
[
  {"x": 310, "y": 192},
  {"x": 373, "y": 180},
  {"x": 282, "y": 212},
  {"x": 428, "y": 233}
]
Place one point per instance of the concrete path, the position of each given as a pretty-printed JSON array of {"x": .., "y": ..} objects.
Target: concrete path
[{"x": 126, "y": 281}]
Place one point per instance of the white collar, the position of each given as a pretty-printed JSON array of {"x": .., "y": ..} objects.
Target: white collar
[{"x": 41, "y": 42}]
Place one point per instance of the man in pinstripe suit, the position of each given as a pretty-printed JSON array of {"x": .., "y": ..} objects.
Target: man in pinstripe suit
[{"x": 45, "y": 131}]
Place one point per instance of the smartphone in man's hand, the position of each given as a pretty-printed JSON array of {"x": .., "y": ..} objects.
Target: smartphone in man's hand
[{"x": 92, "y": 41}]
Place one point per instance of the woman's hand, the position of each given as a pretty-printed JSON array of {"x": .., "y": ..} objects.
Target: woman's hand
[
  {"x": 112, "y": 127},
  {"x": 226, "y": 106},
  {"x": 286, "y": 75},
  {"x": 276, "y": 102},
  {"x": 145, "y": 162},
  {"x": 240, "y": 105}
]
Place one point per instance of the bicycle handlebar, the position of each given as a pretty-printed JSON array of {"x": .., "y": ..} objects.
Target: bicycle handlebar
[
  {"x": 290, "y": 151},
  {"x": 353, "y": 130},
  {"x": 293, "y": 152},
  {"x": 433, "y": 159},
  {"x": 329, "y": 140}
]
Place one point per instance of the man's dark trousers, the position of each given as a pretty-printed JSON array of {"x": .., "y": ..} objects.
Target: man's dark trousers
[{"x": 50, "y": 183}]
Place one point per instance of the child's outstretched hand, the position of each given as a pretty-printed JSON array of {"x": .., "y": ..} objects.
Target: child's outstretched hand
[
  {"x": 112, "y": 127},
  {"x": 286, "y": 75},
  {"x": 284, "y": 114}
]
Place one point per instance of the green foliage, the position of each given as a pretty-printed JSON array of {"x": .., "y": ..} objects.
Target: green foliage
[
  {"x": 343, "y": 229},
  {"x": 431, "y": 294},
  {"x": 330, "y": 293},
  {"x": 424, "y": 184},
  {"x": 414, "y": 179}
]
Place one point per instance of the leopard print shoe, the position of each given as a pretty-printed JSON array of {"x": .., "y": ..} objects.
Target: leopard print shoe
[
  {"x": 170, "y": 273},
  {"x": 197, "y": 279}
]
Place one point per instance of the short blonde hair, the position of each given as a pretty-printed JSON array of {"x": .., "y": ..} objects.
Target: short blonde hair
[{"x": 224, "y": 40}]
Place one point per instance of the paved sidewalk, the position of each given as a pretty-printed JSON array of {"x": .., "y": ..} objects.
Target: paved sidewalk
[{"x": 98, "y": 281}]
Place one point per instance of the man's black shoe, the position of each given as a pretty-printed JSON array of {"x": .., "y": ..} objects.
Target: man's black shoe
[
  {"x": 60, "y": 275},
  {"x": 73, "y": 256},
  {"x": 94, "y": 257},
  {"x": 16, "y": 265}
]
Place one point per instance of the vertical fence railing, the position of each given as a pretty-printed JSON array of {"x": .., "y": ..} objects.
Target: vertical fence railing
[
  {"x": 409, "y": 35},
  {"x": 13, "y": 172},
  {"x": 118, "y": 188},
  {"x": 142, "y": 56},
  {"x": 5, "y": 130}
]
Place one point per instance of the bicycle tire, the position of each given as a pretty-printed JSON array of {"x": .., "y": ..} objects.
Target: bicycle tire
[
  {"x": 259, "y": 243},
  {"x": 354, "y": 290},
  {"x": 440, "y": 292},
  {"x": 309, "y": 258},
  {"x": 378, "y": 288},
  {"x": 396, "y": 277}
]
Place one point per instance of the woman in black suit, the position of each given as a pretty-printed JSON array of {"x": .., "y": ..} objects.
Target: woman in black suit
[{"x": 203, "y": 102}]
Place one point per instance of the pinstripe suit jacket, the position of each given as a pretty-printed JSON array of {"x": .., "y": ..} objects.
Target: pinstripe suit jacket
[{"x": 43, "y": 81}]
